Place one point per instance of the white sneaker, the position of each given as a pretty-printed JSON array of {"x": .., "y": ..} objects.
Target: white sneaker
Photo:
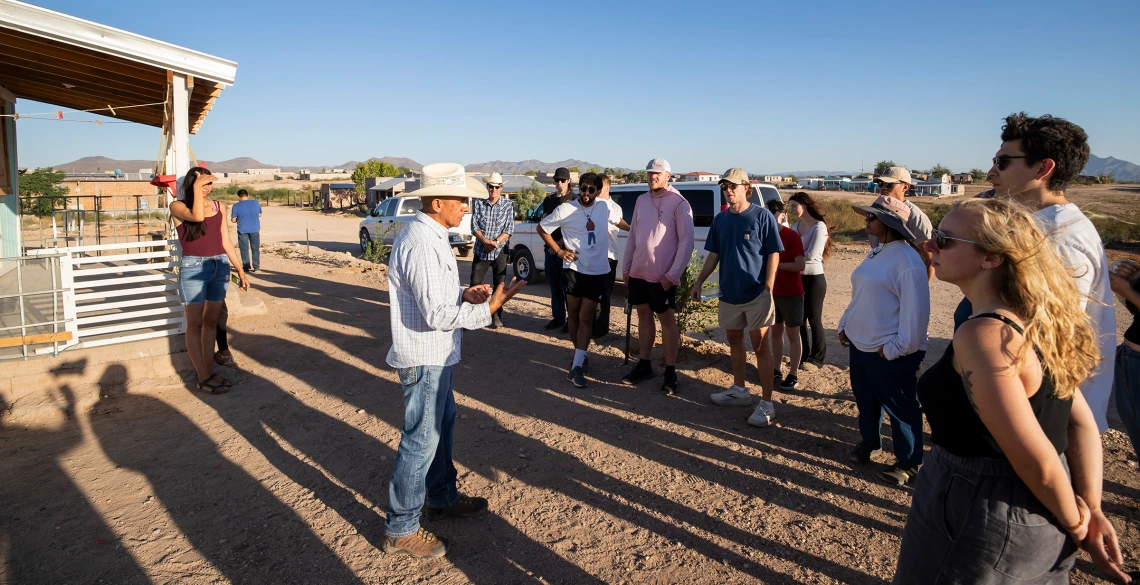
[
  {"x": 733, "y": 396},
  {"x": 764, "y": 414}
]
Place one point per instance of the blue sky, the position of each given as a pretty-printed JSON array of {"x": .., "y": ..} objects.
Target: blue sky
[{"x": 770, "y": 87}]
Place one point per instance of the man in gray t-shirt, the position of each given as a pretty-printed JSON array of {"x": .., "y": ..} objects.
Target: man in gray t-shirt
[{"x": 895, "y": 183}]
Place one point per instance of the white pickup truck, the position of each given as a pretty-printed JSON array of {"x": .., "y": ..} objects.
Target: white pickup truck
[
  {"x": 391, "y": 216},
  {"x": 704, "y": 196}
]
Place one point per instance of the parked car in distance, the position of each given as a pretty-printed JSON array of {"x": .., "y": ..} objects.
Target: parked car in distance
[
  {"x": 703, "y": 196},
  {"x": 392, "y": 214}
]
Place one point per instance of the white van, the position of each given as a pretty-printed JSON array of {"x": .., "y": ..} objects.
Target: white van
[
  {"x": 392, "y": 214},
  {"x": 704, "y": 197}
]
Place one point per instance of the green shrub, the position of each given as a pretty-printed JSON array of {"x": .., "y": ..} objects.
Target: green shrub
[
  {"x": 694, "y": 315},
  {"x": 376, "y": 253}
]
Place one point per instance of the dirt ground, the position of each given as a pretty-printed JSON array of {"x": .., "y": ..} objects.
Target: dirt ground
[{"x": 284, "y": 479}]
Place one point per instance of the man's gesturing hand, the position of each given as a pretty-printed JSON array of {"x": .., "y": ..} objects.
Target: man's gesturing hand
[{"x": 504, "y": 292}]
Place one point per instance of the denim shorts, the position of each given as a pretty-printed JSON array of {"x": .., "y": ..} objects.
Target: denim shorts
[{"x": 203, "y": 279}]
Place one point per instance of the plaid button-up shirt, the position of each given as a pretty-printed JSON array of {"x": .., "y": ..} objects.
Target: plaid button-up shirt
[
  {"x": 492, "y": 221},
  {"x": 427, "y": 309}
]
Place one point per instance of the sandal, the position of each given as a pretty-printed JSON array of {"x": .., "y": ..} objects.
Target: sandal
[
  {"x": 224, "y": 360},
  {"x": 209, "y": 387},
  {"x": 221, "y": 380}
]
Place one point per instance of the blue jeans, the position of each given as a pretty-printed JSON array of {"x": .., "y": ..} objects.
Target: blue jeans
[
  {"x": 552, "y": 266},
  {"x": 423, "y": 461},
  {"x": 250, "y": 244},
  {"x": 892, "y": 385},
  {"x": 1126, "y": 390}
]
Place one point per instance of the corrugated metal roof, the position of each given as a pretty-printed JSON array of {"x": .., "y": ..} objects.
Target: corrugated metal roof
[{"x": 390, "y": 183}]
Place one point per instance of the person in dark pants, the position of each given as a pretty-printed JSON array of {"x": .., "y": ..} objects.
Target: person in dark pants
[
  {"x": 602, "y": 322},
  {"x": 246, "y": 213},
  {"x": 813, "y": 232},
  {"x": 552, "y": 264},
  {"x": 492, "y": 223},
  {"x": 885, "y": 327},
  {"x": 223, "y": 357}
]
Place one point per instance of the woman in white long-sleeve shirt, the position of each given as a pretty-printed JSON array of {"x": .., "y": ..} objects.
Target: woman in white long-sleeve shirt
[
  {"x": 885, "y": 328},
  {"x": 812, "y": 229}
]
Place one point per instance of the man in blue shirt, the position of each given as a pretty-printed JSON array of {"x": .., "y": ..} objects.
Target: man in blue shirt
[
  {"x": 246, "y": 213},
  {"x": 745, "y": 241}
]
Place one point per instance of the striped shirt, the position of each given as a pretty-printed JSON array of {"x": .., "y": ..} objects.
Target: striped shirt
[
  {"x": 492, "y": 221},
  {"x": 427, "y": 309}
]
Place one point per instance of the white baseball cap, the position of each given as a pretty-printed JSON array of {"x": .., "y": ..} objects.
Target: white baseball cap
[{"x": 659, "y": 165}]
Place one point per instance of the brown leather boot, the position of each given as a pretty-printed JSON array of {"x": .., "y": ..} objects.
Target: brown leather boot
[
  {"x": 463, "y": 508},
  {"x": 420, "y": 544}
]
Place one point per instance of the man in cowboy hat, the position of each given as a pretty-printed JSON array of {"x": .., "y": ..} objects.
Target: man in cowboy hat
[
  {"x": 895, "y": 182},
  {"x": 656, "y": 255},
  {"x": 552, "y": 264},
  {"x": 492, "y": 223},
  {"x": 429, "y": 310}
]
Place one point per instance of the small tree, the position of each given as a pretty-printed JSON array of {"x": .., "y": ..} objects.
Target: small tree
[
  {"x": 694, "y": 315},
  {"x": 636, "y": 177},
  {"x": 531, "y": 173},
  {"x": 372, "y": 168},
  {"x": 528, "y": 198},
  {"x": 792, "y": 179},
  {"x": 939, "y": 170},
  {"x": 882, "y": 166},
  {"x": 978, "y": 175},
  {"x": 575, "y": 170},
  {"x": 594, "y": 170},
  {"x": 42, "y": 192}
]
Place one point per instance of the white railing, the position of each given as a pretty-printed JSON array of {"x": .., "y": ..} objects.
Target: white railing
[{"x": 118, "y": 293}]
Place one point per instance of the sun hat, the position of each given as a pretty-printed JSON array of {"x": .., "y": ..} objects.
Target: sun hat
[
  {"x": 893, "y": 212},
  {"x": 895, "y": 175},
  {"x": 495, "y": 179},
  {"x": 658, "y": 165},
  {"x": 445, "y": 180},
  {"x": 735, "y": 176}
]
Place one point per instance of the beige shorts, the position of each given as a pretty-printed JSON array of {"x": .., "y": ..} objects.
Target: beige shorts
[{"x": 755, "y": 314}]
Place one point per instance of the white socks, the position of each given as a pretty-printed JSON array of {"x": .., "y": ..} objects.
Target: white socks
[{"x": 579, "y": 358}]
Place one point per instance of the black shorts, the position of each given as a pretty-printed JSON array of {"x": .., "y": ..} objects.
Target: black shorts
[
  {"x": 587, "y": 286},
  {"x": 641, "y": 292},
  {"x": 789, "y": 310}
]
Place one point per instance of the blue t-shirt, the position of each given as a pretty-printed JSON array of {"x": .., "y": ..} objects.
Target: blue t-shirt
[
  {"x": 743, "y": 240},
  {"x": 248, "y": 214}
]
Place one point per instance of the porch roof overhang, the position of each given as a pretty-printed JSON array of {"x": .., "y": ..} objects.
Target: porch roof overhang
[{"x": 59, "y": 59}]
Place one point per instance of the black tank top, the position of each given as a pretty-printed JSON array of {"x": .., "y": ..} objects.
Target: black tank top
[{"x": 955, "y": 426}]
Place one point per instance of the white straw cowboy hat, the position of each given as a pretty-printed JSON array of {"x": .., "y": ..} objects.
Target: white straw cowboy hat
[
  {"x": 445, "y": 180},
  {"x": 495, "y": 179}
]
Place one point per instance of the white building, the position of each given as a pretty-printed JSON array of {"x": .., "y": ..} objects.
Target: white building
[
  {"x": 262, "y": 171},
  {"x": 774, "y": 179},
  {"x": 697, "y": 176}
]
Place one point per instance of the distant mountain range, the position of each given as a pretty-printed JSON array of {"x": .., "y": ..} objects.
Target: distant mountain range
[
  {"x": 803, "y": 174},
  {"x": 1121, "y": 170},
  {"x": 521, "y": 167}
]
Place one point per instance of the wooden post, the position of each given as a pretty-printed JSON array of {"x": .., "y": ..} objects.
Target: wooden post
[{"x": 178, "y": 157}]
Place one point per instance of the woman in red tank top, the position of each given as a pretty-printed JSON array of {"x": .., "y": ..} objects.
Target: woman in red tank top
[{"x": 207, "y": 255}]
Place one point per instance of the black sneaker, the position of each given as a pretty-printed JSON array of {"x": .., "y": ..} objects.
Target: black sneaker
[
  {"x": 669, "y": 386},
  {"x": 577, "y": 377},
  {"x": 553, "y": 324},
  {"x": 777, "y": 377},
  {"x": 641, "y": 372},
  {"x": 585, "y": 367},
  {"x": 899, "y": 475},
  {"x": 789, "y": 383},
  {"x": 862, "y": 454}
]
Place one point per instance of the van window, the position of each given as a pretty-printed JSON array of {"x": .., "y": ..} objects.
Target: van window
[
  {"x": 701, "y": 200},
  {"x": 411, "y": 206},
  {"x": 769, "y": 194},
  {"x": 626, "y": 200},
  {"x": 393, "y": 205}
]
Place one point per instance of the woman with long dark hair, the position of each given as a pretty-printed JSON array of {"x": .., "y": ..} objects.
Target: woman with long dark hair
[
  {"x": 1012, "y": 485},
  {"x": 204, "y": 272},
  {"x": 812, "y": 228},
  {"x": 885, "y": 327}
]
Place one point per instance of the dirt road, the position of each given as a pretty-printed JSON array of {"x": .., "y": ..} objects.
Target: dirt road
[{"x": 284, "y": 480}]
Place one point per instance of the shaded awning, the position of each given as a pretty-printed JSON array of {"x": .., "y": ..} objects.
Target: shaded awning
[
  {"x": 55, "y": 58},
  {"x": 390, "y": 183}
]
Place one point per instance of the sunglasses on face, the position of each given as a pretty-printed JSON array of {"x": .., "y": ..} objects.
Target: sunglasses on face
[
  {"x": 587, "y": 190},
  {"x": 872, "y": 217},
  {"x": 493, "y": 187},
  {"x": 561, "y": 180},
  {"x": 1002, "y": 162},
  {"x": 940, "y": 239}
]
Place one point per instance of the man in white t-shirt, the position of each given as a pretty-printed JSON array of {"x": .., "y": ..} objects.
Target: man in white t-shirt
[
  {"x": 1037, "y": 160},
  {"x": 585, "y": 224}
]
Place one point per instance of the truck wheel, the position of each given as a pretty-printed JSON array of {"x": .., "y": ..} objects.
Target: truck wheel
[
  {"x": 523, "y": 265},
  {"x": 365, "y": 239},
  {"x": 464, "y": 251}
]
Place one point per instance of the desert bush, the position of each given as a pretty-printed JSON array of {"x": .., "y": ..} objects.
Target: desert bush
[{"x": 694, "y": 315}]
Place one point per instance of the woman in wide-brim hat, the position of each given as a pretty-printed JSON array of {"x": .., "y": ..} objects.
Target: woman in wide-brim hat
[{"x": 885, "y": 329}]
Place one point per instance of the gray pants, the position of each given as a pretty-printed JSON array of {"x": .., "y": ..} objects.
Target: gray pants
[{"x": 973, "y": 521}]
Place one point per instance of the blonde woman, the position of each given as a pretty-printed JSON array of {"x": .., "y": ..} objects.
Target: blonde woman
[{"x": 1012, "y": 485}]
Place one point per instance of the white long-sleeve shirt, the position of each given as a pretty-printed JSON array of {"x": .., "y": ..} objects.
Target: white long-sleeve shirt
[
  {"x": 428, "y": 313},
  {"x": 890, "y": 302},
  {"x": 815, "y": 241}
]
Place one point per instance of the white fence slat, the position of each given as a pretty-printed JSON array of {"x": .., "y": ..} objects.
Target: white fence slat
[
  {"x": 129, "y": 292},
  {"x": 121, "y": 257},
  {"x": 150, "y": 300},
  {"x": 79, "y": 273},
  {"x": 125, "y": 280},
  {"x": 130, "y": 326},
  {"x": 130, "y": 338},
  {"x": 118, "y": 246},
  {"x": 125, "y": 315}
]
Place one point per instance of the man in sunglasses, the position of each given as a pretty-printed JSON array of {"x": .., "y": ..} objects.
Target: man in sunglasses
[
  {"x": 492, "y": 223},
  {"x": 552, "y": 264},
  {"x": 895, "y": 182},
  {"x": 1037, "y": 160},
  {"x": 584, "y": 255}
]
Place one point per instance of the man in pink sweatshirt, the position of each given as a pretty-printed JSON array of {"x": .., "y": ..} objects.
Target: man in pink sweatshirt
[{"x": 656, "y": 255}]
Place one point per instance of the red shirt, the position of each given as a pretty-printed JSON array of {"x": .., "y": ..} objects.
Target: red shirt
[{"x": 788, "y": 284}]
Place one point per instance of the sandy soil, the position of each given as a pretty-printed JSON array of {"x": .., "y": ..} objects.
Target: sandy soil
[{"x": 284, "y": 480}]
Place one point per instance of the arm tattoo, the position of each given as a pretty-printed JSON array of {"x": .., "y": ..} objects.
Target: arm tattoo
[{"x": 969, "y": 387}]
